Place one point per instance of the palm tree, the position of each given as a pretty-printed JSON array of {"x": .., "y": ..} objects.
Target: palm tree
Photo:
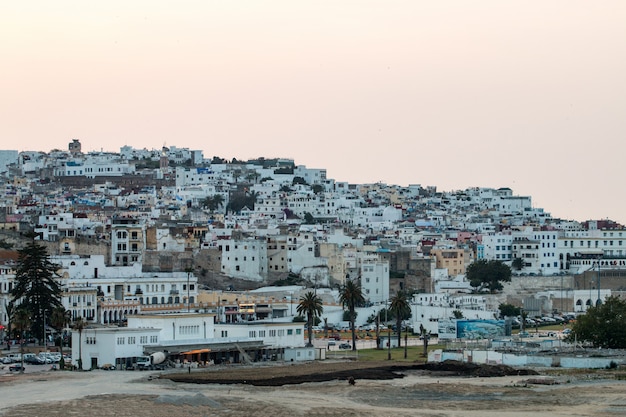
[
  {"x": 60, "y": 318},
  {"x": 311, "y": 305},
  {"x": 22, "y": 322},
  {"x": 351, "y": 296},
  {"x": 79, "y": 325},
  {"x": 218, "y": 200},
  {"x": 401, "y": 308}
]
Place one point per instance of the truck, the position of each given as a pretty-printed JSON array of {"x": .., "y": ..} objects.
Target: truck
[{"x": 155, "y": 360}]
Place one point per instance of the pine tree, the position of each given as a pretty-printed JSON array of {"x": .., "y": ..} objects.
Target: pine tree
[{"x": 36, "y": 290}]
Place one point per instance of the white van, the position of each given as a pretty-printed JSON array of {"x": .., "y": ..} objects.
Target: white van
[{"x": 15, "y": 357}]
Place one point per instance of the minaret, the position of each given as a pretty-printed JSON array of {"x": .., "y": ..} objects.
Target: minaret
[{"x": 164, "y": 162}]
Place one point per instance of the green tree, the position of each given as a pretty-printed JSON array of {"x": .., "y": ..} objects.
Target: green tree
[
  {"x": 22, "y": 322},
  {"x": 310, "y": 305},
  {"x": 508, "y": 310},
  {"x": 36, "y": 288},
  {"x": 213, "y": 202},
  {"x": 603, "y": 325},
  {"x": 60, "y": 319},
  {"x": 79, "y": 326},
  {"x": 488, "y": 274},
  {"x": 401, "y": 310},
  {"x": 457, "y": 314},
  {"x": 351, "y": 296},
  {"x": 518, "y": 263}
]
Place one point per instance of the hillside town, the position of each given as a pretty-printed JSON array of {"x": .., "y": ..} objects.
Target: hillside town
[{"x": 164, "y": 250}]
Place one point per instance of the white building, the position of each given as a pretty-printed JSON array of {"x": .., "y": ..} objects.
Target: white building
[
  {"x": 428, "y": 309},
  {"x": 244, "y": 259},
  {"x": 375, "y": 281},
  {"x": 121, "y": 290},
  {"x": 185, "y": 338},
  {"x": 497, "y": 247}
]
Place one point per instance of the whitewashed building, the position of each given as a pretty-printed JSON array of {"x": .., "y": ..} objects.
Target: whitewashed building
[
  {"x": 428, "y": 309},
  {"x": 186, "y": 337}
]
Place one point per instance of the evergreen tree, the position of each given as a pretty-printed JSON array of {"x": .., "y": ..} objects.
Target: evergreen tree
[
  {"x": 603, "y": 325},
  {"x": 36, "y": 290},
  {"x": 488, "y": 274}
]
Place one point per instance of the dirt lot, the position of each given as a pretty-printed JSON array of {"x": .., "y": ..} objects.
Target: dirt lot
[
  {"x": 331, "y": 371},
  {"x": 380, "y": 390}
]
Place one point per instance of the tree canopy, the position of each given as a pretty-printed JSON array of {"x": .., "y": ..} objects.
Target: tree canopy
[
  {"x": 604, "y": 325},
  {"x": 310, "y": 305},
  {"x": 508, "y": 310},
  {"x": 402, "y": 311},
  {"x": 36, "y": 289},
  {"x": 488, "y": 274},
  {"x": 351, "y": 296}
]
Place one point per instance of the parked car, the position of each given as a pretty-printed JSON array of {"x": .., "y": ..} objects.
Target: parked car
[
  {"x": 33, "y": 359},
  {"x": 16, "y": 368},
  {"x": 345, "y": 346}
]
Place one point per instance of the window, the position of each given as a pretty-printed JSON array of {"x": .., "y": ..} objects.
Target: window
[
  {"x": 154, "y": 339},
  {"x": 131, "y": 340},
  {"x": 120, "y": 340},
  {"x": 143, "y": 340}
]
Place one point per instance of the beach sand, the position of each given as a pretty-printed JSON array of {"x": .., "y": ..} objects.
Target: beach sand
[{"x": 417, "y": 393}]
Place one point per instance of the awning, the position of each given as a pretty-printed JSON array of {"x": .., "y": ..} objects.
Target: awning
[{"x": 196, "y": 351}]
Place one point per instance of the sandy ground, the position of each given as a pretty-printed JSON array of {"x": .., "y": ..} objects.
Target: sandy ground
[{"x": 117, "y": 393}]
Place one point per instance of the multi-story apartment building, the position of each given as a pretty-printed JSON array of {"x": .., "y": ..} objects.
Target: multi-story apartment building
[
  {"x": 538, "y": 250},
  {"x": 497, "y": 247},
  {"x": 248, "y": 259},
  {"x": 375, "y": 280},
  {"x": 452, "y": 259},
  {"x": 128, "y": 240}
]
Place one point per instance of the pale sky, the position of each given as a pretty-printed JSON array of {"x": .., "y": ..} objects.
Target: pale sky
[{"x": 529, "y": 95}]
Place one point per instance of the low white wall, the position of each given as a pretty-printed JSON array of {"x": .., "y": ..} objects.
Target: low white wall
[{"x": 492, "y": 357}]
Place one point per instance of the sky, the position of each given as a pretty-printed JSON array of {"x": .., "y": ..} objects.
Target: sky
[{"x": 529, "y": 95}]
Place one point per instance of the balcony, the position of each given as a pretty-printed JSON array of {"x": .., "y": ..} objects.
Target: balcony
[{"x": 174, "y": 292}]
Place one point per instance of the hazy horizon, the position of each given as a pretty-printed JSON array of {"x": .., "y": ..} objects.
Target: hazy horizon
[{"x": 452, "y": 94}]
